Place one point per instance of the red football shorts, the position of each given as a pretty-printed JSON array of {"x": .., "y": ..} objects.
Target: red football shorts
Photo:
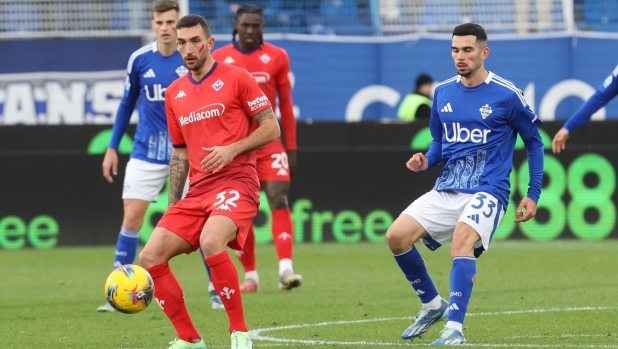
[
  {"x": 187, "y": 218},
  {"x": 272, "y": 162}
]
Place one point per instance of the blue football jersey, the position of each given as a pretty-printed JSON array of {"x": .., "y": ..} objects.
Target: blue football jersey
[
  {"x": 149, "y": 73},
  {"x": 474, "y": 130}
]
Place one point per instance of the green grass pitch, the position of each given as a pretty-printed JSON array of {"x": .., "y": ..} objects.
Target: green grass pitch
[{"x": 561, "y": 294}]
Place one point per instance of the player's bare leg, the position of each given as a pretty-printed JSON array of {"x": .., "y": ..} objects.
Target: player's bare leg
[
  {"x": 282, "y": 231},
  {"x": 216, "y": 234},
  {"x": 401, "y": 237},
  {"x": 162, "y": 246},
  {"x": 463, "y": 273},
  {"x": 128, "y": 238}
]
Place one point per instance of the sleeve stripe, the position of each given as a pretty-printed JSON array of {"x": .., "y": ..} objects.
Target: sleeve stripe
[
  {"x": 179, "y": 145},
  {"x": 516, "y": 90},
  {"x": 134, "y": 55}
]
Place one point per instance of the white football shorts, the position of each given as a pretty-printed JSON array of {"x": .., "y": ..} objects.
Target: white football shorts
[
  {"x": 144, "y": 180},
  {"x": 440, "y": 211}
]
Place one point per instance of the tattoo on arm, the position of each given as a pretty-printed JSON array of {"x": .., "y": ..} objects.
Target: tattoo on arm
[
  {"x": 264, "y": 115},
  {"x": 179, "y": 169}
]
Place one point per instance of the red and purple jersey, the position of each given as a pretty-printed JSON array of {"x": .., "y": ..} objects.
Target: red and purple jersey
[
  {"x": 215, "y": 111},
  {"x": 270, "y": 66}
]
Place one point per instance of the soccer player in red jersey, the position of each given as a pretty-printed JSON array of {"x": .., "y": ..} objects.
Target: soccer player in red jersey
[
  {"x": 270, "y": 66},
  {"x": 217, "y": 115}
]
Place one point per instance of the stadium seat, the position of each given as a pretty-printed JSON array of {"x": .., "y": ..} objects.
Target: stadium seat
[
  {"x": 601, "y": 15},
  {"x": 339, "y": 17},
  {"x": 441, "y": 14},
  {"x": 484, "y": 13}
]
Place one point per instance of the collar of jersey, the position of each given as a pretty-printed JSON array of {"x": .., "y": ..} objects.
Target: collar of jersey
[
  {"x": 214, "y": 66},
  {"x": 236, "y": 46},
  {"x": 478, "y": 87}
]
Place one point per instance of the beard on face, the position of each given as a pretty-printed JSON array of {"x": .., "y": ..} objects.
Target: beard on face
[{"x": 199, "y": 62}]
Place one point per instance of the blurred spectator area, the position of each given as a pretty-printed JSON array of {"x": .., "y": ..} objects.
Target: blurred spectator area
[
  {"x": 50, "y": 18},
  {"x": 340, "y": 17}
]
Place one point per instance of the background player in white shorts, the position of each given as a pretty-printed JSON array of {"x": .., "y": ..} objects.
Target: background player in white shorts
[
  {"x": 475, "y": 119},
  {"x": 149, "y": 72}
]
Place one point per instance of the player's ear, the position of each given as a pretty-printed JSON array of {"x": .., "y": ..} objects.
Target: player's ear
[
  {"x": 211, "y": 43},
  {"x": 485, "y": 52}
]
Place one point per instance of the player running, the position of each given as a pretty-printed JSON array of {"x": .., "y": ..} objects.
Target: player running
[
  {"x": 149, "y": 72},
  {"x": 605, "y": 92},
  {"x": 211, "y": 115},
  {"x": 270, "y": 66},
  {"x": 475, "y": 119}
]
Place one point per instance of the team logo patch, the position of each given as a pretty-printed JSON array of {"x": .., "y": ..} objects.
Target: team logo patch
[
  {"x": 229, "y": 60},
  {"x": 485, "y": 111},
  {"x": 181, "y": 71},
  {"x": 265, "y": 58},
  {"x": 218, "y": 84}
]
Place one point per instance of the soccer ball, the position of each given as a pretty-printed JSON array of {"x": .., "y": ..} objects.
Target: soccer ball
[{"x": 129, "y": 289}]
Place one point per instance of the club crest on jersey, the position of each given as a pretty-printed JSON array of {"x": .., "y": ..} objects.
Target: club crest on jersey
[
  {"x": 485, "y": 111},
  {"x": 229, "y": 60},
  {"x": 265, "y": 58},
  {"x": 181, "y": 71},
  {"x": 218, "y": 84}
]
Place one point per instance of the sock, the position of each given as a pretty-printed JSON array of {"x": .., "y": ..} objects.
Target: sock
[
  {"x": 206, "y": 265},
  {"x": 462, "y": 275},
  {"x": 285, "y": 264},
  {"x": 211, "y": 288},
  {"x": 126, "y": 247},
  {"x": 225, "y": 280},
  {"x": 253, "y": 275},
  {"x": 247, "y": 255},
  {"x": 413, "y": 267},
  {"x": 171, "y": 299},
  {"x": 456, "y": 325},
  {"x": 283, "y": 232}
]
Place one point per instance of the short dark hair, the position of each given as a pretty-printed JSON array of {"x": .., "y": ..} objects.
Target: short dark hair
[
  {"x": 165, "y": 5},
  {"x": 189, "y": 21},
  {"x": 471, "y": 29},
  {"x": 247, "y": 9},
  {"x": 423, "y": 79}
]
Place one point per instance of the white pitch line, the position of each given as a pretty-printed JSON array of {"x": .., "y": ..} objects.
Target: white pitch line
[
  {"x": 566, "y": 335},
  {"x": 257, "y": 334}
]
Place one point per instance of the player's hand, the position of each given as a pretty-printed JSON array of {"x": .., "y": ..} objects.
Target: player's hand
[
  {"x": 418, "y": 162},
  {"x": 292, "y": 161},
  {"x": 218, "y": 157},
  {"x": 110, "y": 162},
  {"x": 559, "y": 141},
  {"x": 526, "y": 210}
]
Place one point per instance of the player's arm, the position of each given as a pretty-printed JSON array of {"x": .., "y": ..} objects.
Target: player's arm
[
  {"x": 123, "y": 116},
  {"x": 422, "y": 162},
  {"x": 526, "y": 122},
  {"x": 179, "y": 159},
  {"x": 288, "y": 123},
  {"x": 267, "y": 131},
  {"x": 604, "y": 93},
  {"x": 286, "y": 108},
  {"x": 179, "y": 170}
]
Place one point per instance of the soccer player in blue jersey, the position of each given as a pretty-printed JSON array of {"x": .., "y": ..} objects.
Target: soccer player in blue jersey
[
  {"x": 149, "y": 71},
  {"x": 605, "y": 93},
  {"x": 475, "y": 119}
]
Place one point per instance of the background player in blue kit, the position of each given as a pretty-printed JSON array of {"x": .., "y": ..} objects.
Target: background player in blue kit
[
  {"x": 605, "y": 93},
  {"x": 149, "y": 71},
  {"x": 474, "y": 122}
]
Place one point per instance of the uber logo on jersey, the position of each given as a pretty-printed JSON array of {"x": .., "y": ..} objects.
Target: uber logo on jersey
[
  {"x": 158, "y": 93},
  {"x": 463, "y": 135}
]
